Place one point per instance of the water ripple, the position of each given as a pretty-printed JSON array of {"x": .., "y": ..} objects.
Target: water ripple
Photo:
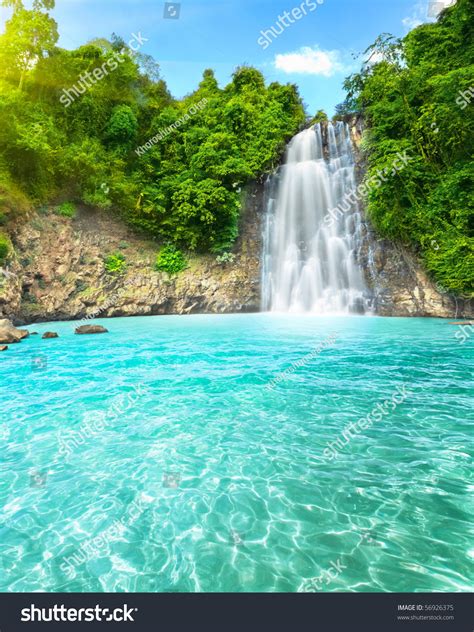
[{"x": 208, "y": 474}]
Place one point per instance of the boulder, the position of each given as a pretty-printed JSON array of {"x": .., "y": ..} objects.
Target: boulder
[
  {"x": 91, "y": 329},
  {"x": 3, "y": 347},
  {"x": 9, "y": 333},
  {"x": 50, "y": 334}
]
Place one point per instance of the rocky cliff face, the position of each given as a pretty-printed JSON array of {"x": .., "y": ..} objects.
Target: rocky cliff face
[
  {"x": 396, "y": 276},
  {"x": 58, "y": 272}
]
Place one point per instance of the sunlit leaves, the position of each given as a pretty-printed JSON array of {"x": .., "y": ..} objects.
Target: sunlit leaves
[{"x": 417, "y": 96}]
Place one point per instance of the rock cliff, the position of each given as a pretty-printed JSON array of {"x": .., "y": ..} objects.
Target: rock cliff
[
  {"x": 57, "y": 271},
  {"x": 394, "y": 273}
]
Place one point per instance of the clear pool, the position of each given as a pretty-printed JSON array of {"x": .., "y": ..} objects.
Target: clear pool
[{"x": 190, "y": 453}]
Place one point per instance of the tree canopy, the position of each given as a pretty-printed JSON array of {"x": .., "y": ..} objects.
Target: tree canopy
[
  {"x": 418, "y": 98},
  {"x": 70, "y": 122}
]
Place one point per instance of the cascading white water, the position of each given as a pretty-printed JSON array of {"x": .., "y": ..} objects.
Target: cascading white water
[{"x": 313, "y": 231}]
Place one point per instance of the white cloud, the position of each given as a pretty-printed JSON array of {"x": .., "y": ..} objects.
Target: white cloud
[
  {"x": 425, "y": 11},
  {"x": 411, "y": 22},
  {"x": 310, "y": 61}
]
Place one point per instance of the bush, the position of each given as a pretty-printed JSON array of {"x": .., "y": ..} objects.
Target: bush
[
  {"x": 171, "y": 260},
  {"x": 319, "y": 117},
  {"x": 13, "y": 202},
  {"x": 96, "y": 198},
  {"x": 225, "y": 257},
  {"x": 66, "y": 209},
  {"x": 122, "y": 127},
  {"x": 4, "y": 247},
  {"x": 115, "y": 263}
]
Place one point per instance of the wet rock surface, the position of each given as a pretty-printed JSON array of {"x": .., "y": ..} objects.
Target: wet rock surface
[
  {"x": 91, "y": 329},
  {"x": 9, "y": 333}
]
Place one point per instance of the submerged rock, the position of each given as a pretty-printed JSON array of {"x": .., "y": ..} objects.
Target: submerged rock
[
  {"x": 50, "y": 334},
  {"x": 3, "y": 347},
  {"x": 91, "y": 329},
  {"x": 470, "y": 323},
  {"x": 9, "y": 333}
]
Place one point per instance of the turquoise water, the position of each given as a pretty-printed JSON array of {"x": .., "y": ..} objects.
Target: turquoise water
[{"x": 173, "y": 454}]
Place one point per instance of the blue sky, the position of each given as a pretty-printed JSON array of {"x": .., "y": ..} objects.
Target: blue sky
[{"x": 315, "y": 52}]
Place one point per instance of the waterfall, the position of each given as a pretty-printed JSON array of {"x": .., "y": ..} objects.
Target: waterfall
[{"x": 313, "y": 231}]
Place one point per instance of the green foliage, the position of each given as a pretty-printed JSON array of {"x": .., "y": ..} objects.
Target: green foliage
[
  {"x": 4, "y": 247},
  {"x": 344, "y": 109},
  {"x": 115, "y": 263},
  {"x": 13, "y": 202},
  {"x": 122, "y": 127},
  {"x": 319, "y": 117},
  {"x": 412, "y": 101},
  {"x": 225, "y": 257},
  {"x": 66, "y": 209},
  {"x": 29, "y": 35},
  {"x": 171, "y": 260},
  {"x": 61, "y": 135},
  {"x": 199, "y": 170}
]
